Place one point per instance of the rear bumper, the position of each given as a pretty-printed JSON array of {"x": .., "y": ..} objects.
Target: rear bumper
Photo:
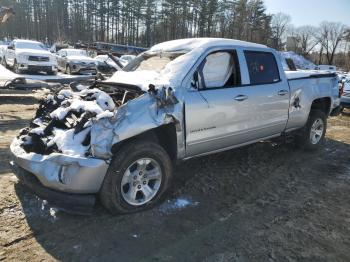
[{"x": 74, "y": 203}]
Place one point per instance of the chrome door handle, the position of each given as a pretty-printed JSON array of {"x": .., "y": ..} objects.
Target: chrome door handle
[
  {"x": 241, "y": 98},
  {"x": 282, "y": 92}
]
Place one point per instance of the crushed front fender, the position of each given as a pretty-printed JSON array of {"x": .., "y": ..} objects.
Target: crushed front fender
[{"x": 139, "y": 115}]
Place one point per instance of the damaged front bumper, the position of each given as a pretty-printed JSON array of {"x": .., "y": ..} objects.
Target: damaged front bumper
[
  {"x": 81, "y": 204},
  {"x": 70, "y": 174}
]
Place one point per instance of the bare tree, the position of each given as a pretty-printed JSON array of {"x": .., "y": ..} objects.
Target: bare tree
[
  {"x": 331, "y": 35},
  {"x": 307, "y": 38},
  {"x": 279, "y": 25}
]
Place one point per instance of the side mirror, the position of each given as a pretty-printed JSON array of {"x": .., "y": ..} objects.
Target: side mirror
[
  {"x": 194, "y": 82},
  {"x": 10, "y": 47}
]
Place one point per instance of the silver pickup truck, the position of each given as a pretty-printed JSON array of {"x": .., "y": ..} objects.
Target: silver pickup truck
[{"x": 120, "y": 138}]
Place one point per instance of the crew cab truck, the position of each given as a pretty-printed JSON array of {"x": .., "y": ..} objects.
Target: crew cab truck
[
  {"x": 189, "y": 98},
  {"x": 29, "y": 56}
]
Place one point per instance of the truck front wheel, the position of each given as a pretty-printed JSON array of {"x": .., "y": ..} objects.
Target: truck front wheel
[
  {"x": 312, "y": 135},
  {"x": 138, "y": 178}
]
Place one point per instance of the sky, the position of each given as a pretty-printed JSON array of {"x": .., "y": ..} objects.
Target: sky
[{"x": 312, "y": 12}]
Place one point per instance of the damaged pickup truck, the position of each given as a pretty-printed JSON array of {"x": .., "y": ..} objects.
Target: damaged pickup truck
[{"x": 120, "y": 138}]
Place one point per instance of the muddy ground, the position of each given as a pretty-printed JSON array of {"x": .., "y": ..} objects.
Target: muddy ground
[{"x": 265, "y": 202}]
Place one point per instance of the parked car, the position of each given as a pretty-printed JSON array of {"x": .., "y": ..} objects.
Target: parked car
[
  {"x": 29, "y": 56},
  {"x": 345, "y": 98},
  {"x": 75, "y": 61},
  {"x": 330, "y": 68},
  {"x": 121, "y": 138}
]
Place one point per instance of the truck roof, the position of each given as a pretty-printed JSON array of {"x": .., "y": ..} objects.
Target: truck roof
[
  {"x": 193, "y": 43},
  {"x": 174, "y": 72}
]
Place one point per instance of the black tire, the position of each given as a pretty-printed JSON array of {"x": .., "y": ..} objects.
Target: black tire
[
  {"x": 111, "y": 191},
  {"x": 303, "y": 139}
]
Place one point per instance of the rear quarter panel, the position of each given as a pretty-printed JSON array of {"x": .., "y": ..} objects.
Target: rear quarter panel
[{"x": 303, "y": 92}]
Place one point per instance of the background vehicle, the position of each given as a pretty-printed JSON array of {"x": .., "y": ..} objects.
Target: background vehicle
[
  {"x": 345, "y": 98},
  {"x": 182, "y": 99},
  {"x": 31, "y": 56},
  {"x": 106, "y": 65},
  {"x": 330, "y": 68},
  {"x": 75, "y": 61},
  {"x": 125, "y": 59}
]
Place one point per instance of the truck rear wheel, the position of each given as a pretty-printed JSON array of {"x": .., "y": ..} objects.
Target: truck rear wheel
[
  {"x": 312, "y": 135},
  {"x": 138, "y": 178}
]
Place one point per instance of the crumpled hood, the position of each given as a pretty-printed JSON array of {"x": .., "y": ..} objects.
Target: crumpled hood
[
  {"x": 142, "y": 78},
  {"x": 77, "y": 58},
  {"x": 33, "y": 52}
]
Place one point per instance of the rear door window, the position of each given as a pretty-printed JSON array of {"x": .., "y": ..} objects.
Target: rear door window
[{"x": 262, "y": 67}]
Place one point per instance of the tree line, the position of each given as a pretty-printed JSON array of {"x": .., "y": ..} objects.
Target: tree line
[
  {"x": 146, "y": 22},
  {"x": 138, "y": 22}
]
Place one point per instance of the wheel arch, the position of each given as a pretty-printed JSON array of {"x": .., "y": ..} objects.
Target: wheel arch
[
  {"x": 323, "y": 104},
  {"x": 164, "y": 135}
]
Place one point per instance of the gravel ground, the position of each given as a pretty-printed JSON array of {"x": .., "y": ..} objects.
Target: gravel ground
[{"x": 265, "y": 202}]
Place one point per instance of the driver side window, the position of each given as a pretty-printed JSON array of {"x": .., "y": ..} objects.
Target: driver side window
[{"x": 219, "y": 70}]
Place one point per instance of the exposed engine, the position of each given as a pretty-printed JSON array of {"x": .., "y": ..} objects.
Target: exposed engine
[{"x": 63, "y": 121}]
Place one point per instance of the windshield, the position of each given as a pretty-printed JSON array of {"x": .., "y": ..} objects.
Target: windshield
[
  {"x": 30, "y": 45},
  {"x": 154, "y": 62},
  {"x": 76, "y": 52}
]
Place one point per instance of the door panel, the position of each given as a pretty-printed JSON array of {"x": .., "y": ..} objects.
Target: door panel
[
  {"x": 225, "y": 117},
  {"x": 235, "y": 113}
]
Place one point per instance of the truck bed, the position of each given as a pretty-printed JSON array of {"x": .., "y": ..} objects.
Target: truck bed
[{"x": 300, "y": 74}]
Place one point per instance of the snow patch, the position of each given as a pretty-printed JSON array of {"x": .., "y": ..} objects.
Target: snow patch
[
  {"x": 74, "y": 101},
  {"x": 38, "y": 130},
  {"x": 177, "y": 204},
  {"x": 68, "y": 142},
  {"x": 105, "y": 114},
  {"x": 299, "y": 61}
]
